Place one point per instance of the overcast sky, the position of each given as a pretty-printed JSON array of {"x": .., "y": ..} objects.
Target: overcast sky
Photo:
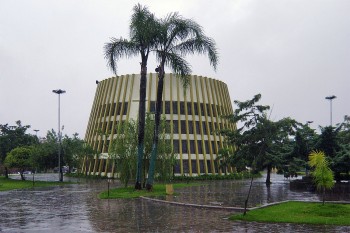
[{"x": 295, "y": 53}]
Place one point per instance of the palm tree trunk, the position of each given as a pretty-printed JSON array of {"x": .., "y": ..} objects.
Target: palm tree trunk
[
  {"x": 151, "y": 170},
  {"x": 141, "y": 125}
]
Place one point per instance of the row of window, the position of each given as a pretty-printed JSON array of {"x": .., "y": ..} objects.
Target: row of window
[
  {"x": 192, "y": 128},
  {"x": 185, "y": 148},
  {"x": 191, "y": 149},
  {"x": 186, "y": 166},
  {"x": 197, "y": 107},
  {"x": 210, "y": 109},
  {"x": 110, "y": 109},
  {"x": 177, "y": 168}
]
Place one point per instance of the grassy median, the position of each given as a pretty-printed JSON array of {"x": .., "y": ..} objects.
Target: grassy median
[
  {"x": 10, "y": 184},
  {"x": 301, "y": 213},
  {"x": 130, "y": 192}
]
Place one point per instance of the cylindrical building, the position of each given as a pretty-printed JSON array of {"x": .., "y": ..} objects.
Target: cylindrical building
[{"x": 193, "y": 114}]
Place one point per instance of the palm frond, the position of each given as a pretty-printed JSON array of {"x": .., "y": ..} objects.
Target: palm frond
[
  {"x": 178, "y": 65},
  {"x": 143, "y": 27},
  {"x": 118, "y": 48}
]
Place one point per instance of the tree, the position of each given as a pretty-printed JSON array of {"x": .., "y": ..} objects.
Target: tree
[
  {"x": 12, "y": 137},
  {"x": 124, "y": 151},
  {"x": 19, "y": 158},
  {"x": 323, "y": 175},
  {"x": 224, "y": 158},
  {"x": 142, "y": 33},
  {"x": 258, "y": 142},
  {"x": 176, "y": 38}
]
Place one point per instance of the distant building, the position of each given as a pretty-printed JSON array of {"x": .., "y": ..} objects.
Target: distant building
[{"x": 194, "y": 118}]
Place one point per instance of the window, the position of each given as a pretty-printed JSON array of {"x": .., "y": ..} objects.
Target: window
[
  {"x": 190, "y": 127},
  {"x": 199, "y": 145},
  {"x": 176, "y": 146},
  {"x": 183, "y": 127},
  {"x": 182, "y": 108},
  {"x": 204, "y": 128},
  {"x": 192, "y": 147},
  {"x": 184, "y": 146},
  {"x": 196, "y": 109},
  {"x": 194, "y": 165},
  {"x": 202, "y": 109},
  {"x": 125, "y": 108},
  {"x": 208, "y": 110},
  {"x": 175, "y": 107},
  {"x": 167, "y": 107},
  {"x": 206, "y": 143},
  {"x": 175, "y": 127},
  {"x": 189, "y": 108},
  {"x": 152, "y": 106},
  {"x": 198, "y": 129}
]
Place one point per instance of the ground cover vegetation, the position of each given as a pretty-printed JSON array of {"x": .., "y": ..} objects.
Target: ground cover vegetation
[
  {"x": 301, "y": 213},
  {"x": 130, "y": 192},
  {"x": 11, "y": 184}
]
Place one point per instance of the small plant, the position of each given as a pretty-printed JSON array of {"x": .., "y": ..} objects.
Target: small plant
[{"x": 322, "y": 174}]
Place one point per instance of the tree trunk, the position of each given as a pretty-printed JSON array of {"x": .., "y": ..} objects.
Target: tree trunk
[
  {"x": 141, "y": 125},
  {"x": 268, "y": 176},
  {"x": 6, "y": 173},
  {"x": 22, "y": 176},
  {"x": 323, "y": 194},
  {"x": 149, "y": 185},
  {"x": 246, "y": 201}
]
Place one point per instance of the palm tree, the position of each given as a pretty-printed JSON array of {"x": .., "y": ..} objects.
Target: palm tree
[
  {"x": 142, "y": 40},
  {"x": 177, "y": 37}
]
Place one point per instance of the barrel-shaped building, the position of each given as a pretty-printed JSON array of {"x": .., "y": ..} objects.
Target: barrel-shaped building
[{"x": 194, "y": 115}]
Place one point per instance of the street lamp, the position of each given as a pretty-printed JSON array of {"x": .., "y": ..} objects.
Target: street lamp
[
  {"x": 330, "y": 98},
  {"x": 309, "y": 122},
  {"x": 59, "y": 92},
  {"x": 36, "y": 132}
]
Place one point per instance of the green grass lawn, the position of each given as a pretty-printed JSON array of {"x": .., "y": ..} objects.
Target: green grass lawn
[
  {"x": 130, "y": 192},
  {"x": 300, "y": 212},
  {"x": 10, "y": 184}
]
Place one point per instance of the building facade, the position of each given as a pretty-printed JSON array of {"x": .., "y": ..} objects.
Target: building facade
[{"x": 193, "y": 115}]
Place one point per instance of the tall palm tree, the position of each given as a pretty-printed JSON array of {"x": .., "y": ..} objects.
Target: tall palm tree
[
  {"x": 142, "y": 40},
  {"x": 177, "y": 37}
]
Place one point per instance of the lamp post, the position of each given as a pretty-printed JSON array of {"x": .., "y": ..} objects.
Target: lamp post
[
  {"x": 59, "y": 92},
  {"x": 330, "y": 98},
  {"x": 36, "y": 132}
]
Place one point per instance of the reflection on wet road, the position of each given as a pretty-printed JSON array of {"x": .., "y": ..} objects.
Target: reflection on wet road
[{"x": 76, "y": 208}]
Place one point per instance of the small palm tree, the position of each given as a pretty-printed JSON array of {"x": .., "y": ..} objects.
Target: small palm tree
[
  {"x": 176, "y": 38},
  {"x": 142, "y": 40},
  {"x": 323, "y": 175}
]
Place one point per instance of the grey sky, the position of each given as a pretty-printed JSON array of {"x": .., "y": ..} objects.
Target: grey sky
[{"x": 292, "y": 52}]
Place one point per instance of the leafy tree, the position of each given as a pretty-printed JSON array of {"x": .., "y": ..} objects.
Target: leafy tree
[
  {"x": 12, "y": 137},
  {"x": 176, "y": 38},
  {"x": 323, "y": 175},
  {"x": 224, "y": 158},
  {"x": 74, "y": 150},
  {"x": 124, "y": 151},
  {"x": 142, "y": 40},
  {"x": 259, "y": 143},
  {"x": 19, "y": 158},
  {"x": 166, "y": 159}
]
